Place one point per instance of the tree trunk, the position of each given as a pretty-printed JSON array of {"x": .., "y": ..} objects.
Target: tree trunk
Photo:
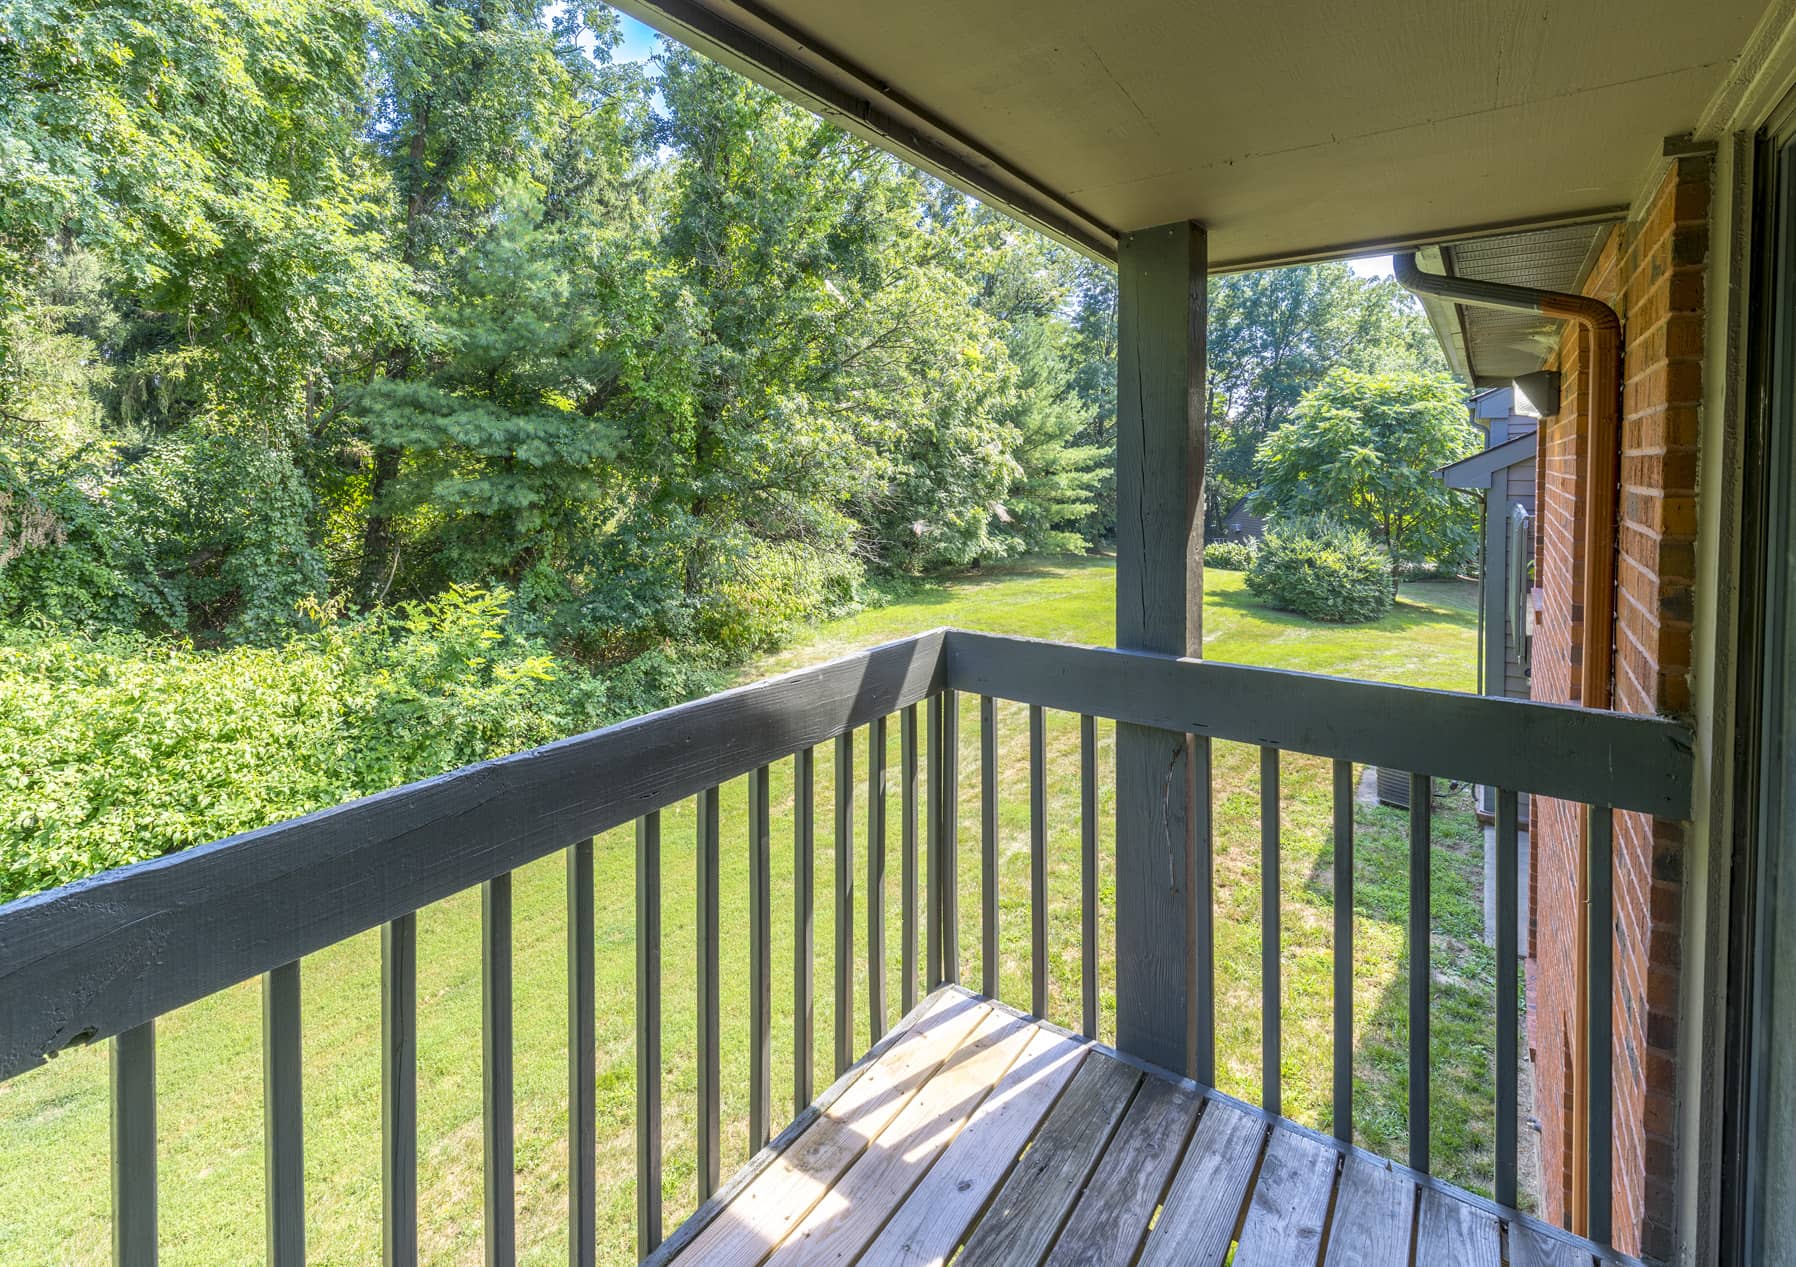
[{"x": 379, "y": 544}]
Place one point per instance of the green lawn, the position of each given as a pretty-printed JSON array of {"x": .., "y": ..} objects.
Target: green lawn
[{"x": 53, "y": 1122}]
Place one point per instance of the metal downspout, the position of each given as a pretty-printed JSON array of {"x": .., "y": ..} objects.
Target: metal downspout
[
  {"x": 1603, "y": 470},
  {"x": 1602, "y": 481}
]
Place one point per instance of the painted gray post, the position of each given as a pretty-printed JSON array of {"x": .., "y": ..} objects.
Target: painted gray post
[
  {"x": 988, "y": 847},
  {"x": 1038, "y": 861},
  {"x": 710, "y": 1042},
  {"x": 760, "y": 961},
  {"x": 804, "y": 920},
  {"x": 907, "y": 901},
  {"x": 1343, "y": 904},
  {"x": 1088, "y": 874},
  {"x": 876, "y": 879},
  {"x": 1161, "y": 274},
  {"x": 648, "y": 1033},
  {"x": 1508, "y": 1007},
  {"x": 283, "y": 1118},
  {"x": 1271, "y": 992},
  {"x": 133, "y": 1075},
  {"x": 496, "y": 1073},
  {"x": 1200, "y": 1038},
  {"x": 1600, "y": 994},
  {"x": 582, "y": 1062},
  {"x": 1421, "y": 965},
  {"x": 950, "y": 836},
  {"x": 844, "y": 777},
  {"x": 399, "y": 1091},
  {"x": 932, "y": 915}
]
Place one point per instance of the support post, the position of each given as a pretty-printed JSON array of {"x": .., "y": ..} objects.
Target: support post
[{"x": 1163, "y": 1010}]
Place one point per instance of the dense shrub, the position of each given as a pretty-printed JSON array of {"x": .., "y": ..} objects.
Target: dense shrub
[
  {"x": 117, "y": 748},
  {"x": 1322, "y": 570},
  {"x": 1230, "y": 556}
]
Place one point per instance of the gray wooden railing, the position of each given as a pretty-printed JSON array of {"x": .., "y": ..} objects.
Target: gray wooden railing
[{"x": 102, "y": 959}]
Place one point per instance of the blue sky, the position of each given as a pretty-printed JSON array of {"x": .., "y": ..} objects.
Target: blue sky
[{"x": 639, "y": 40}]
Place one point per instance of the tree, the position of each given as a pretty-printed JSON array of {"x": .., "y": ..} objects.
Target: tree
[
  {"x": 1364, "y": 448},
  {"x": 1273, "y": 334}
]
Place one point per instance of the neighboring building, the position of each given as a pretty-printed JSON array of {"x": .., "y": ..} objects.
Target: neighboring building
[
  {"x": 1502, "y": 476},
  {"x": 1241, "y": 524}
]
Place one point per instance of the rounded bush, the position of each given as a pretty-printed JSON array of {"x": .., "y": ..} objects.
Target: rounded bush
[
  {"x": 1229, "y": 556},
  {"x": 1321, "y": 570}
]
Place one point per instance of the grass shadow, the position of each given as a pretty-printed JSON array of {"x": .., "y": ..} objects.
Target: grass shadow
[{"x": 1463, "y": 988}]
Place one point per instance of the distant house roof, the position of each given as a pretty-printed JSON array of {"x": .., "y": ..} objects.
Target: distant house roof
[
  {"x": 1241, "y": 519},
  {"x": 1477, "y": 470}
]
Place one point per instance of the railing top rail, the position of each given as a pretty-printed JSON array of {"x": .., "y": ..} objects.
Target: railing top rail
[
  {"x": 1577, "y": 754},
  {"x": 91, "y": 959}
]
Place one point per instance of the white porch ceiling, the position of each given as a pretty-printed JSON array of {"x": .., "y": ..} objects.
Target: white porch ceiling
[{"x": 1292, "y": 129}]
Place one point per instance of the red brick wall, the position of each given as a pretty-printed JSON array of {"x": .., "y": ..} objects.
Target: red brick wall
[{"x": 1651, "y": 271}]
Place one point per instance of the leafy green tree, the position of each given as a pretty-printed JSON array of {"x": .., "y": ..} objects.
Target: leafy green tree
[
  {"x": 463, "y": 93},
  {"x": 1272, "y": 336},
  {"x": 1364, "y": 449},
  {"x": 1056, "y": 491},
  {"x": 207, "y": 160}
]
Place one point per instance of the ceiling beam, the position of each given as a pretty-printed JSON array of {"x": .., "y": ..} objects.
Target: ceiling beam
[{"x": 769, "y": 51}]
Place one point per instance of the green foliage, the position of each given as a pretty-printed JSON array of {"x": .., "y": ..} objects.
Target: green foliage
[
  {"x": 1366, "y": 449},
  {"x": 1322, "y": 570},
  {"x": 119, "y": 749},
  {"x": 1273, "y": 335},
  {"x": 1230, "y": 556}
]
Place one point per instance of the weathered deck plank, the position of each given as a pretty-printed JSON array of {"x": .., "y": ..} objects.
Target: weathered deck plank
[
  {"x": 1374, "y": 1210},
  {"x": 940, "y": 1209},
  {"x": 1449, "y": 1230},
  {"x": 980, "y": 1135},
  {"x": 1033, "y": 1203},
  {"x": 1290, "y": 1203},
  {"x": 1532, "y": 1247},
  {"x": 1110, "y": 1221},
  {"x": 1203, "y": 1207},
  {"x": 761, "y": 1215},
  {"x": 857, "y": 1206}
]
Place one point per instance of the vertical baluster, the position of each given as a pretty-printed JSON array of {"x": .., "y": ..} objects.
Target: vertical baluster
[
  {"x": 582, "y": 1062},
  {"x": 1508, "y": 935},
  {"x": 283, "y": 1118},
  {"x": 907, "y": 900},
  {"x": 648, "y": 1033},
  {"x": 1038, "y": 861},
  {"x": 876, "y": 879},
  {"x": 399, "y": 1091},
  {"x": 133, "y": 1077},
  {"x": 1421, "y": 934},
  {"x": 1343, "y": 902},
  {"x": 710, "y": 1094},
  {"x": 1088, "y": 874},
  {"x": 988, "y": 847},
  {"x": 844, "y": 901},
  {"x": 760, "y": 962},
  {"x": 1600, "y": 993},
  {"x": 950, "y": 836},
  {"x": 1200, "y": 1037},
  {"x": 933, "y": 975},
  {"x": 1271, "y": 992},
  {"x": 495, "y": 1068},
  {"x": 804, "y": 917}
]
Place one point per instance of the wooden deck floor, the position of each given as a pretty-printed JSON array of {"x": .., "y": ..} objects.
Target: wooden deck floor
[{"x": 980, "y": 1135}]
